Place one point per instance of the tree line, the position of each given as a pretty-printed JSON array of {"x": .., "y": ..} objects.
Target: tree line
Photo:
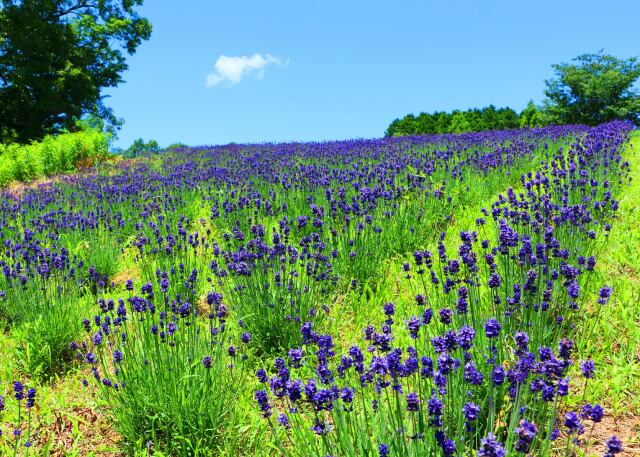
[
  {"x": 471, "y": 120},
  {"x": 595, "y": 88}
]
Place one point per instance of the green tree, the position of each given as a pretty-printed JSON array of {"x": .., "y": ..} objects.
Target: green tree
[
  {"x": 531, "y": 116},
  {"x": 596, "y": 89},
  {"x": 506, "y": 118},
  {"x": 459, "y": 123},
  {"x": 442, "y": 122},
  {"x": 474, "y": 117},
  {"x": 426, "y": 124},
  {"x": 139, "y": 147},
  {"x": 91, "y": 121},
  {"x": 394, "y": 128},
  {"x": 56, "y": 56},
  {"x": 489, "y": 118}
]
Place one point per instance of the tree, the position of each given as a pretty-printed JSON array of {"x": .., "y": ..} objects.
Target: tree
[
  {"x": 442, "y": 122},
  {"x": 531, "y": 116},
  {"x": 459, "y": 123},
  {"x": 92, "y": 121},
  {"x": 506, "y": 118},
  {"x": 393, "y": 129},
  {"x": 56, "y": 56},
  {"x": 139, "y": 147},
  {"x": 471, "y": 120},
  {"x": 596, "y": 89}
]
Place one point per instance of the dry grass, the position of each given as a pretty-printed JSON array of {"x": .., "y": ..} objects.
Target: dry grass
[
  {"x": 627, "y": 428},
  {"x": 80, "y": 428}
]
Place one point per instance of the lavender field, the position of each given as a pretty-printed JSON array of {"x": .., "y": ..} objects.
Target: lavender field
[{"x": 467, "y": 294}]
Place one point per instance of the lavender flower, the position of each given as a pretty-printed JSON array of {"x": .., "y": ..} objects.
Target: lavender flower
[
  {"x": 614, "y": 446},
  {"x": 471, "y": 411},
  {"x": 573, "y": 424},
  {"x": 283, "y": 420},
  {"x": 263, "y": 401},
  {"x": 18, "y": 389},
  {"x": 587, "y": 367},
  {"x": 492, "y": 328},
  {"x": 413, "y": 402},
  {"x": 490, "y": 447},
  {"x": 526, "y": 432},
  {"x": 31, "y": 398}
]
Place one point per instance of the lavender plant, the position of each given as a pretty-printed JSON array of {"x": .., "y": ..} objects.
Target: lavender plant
[
  {"x": 164, "y": 364},
  {"x": 21, "y": 428}
]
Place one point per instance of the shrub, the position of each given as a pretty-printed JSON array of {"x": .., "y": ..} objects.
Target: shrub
[{"x": 54, "y": 154}]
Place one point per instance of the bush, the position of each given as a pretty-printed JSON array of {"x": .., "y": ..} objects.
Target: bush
[
  {"x": 54, "y": 154},
  {"x": 7, "y": 168}
]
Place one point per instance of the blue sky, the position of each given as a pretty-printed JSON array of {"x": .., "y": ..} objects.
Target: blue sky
[{"x": 248, "y": 71}]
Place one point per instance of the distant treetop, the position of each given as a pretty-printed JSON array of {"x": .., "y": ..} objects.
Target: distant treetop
[{"x": 472, "y": 120}]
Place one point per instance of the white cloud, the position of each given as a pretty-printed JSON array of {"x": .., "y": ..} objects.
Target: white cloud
[{"x": 233, "y": 68}]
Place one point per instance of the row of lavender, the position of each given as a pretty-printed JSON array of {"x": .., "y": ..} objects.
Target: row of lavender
[
  {"x": 332, "y": 211},
  {"x": 270, "y": 234},
  {"x": 481, "y": 361}
]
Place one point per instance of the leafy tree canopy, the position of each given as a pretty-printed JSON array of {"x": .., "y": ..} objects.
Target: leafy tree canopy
[
  {"x": 596, "y": 88},
  {"x": 532, "y": 116},
  {"x": 139, "y": 147},
  {"x": 56, "y": 56},
  {"x": 472, "y": 120}
]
